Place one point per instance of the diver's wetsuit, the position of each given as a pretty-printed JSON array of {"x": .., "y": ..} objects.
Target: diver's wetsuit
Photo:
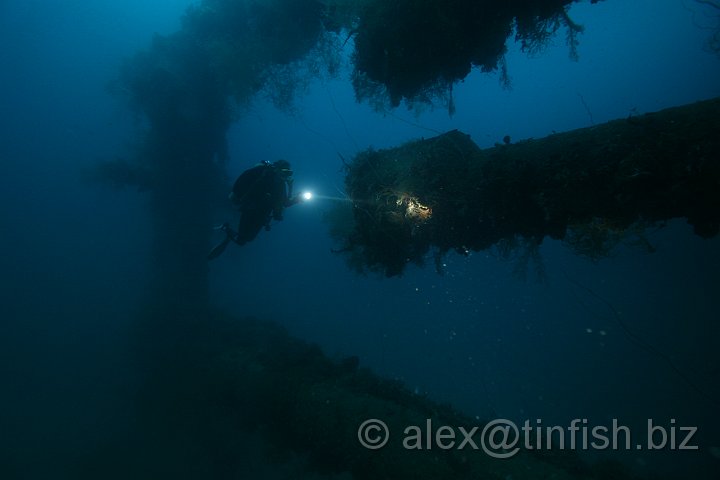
[{"x": 260, "y": 194}]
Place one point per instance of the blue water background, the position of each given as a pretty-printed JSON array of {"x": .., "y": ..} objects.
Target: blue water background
[{"x": 75, "y": 256}]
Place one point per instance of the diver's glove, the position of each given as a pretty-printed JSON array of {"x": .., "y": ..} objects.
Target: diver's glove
[{"x": 294, "y": 200}]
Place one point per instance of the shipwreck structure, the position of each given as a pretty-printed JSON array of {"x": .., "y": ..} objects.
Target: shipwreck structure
[
  {"x": 592, "y": 188},
  {"x": 186, "y": 87},
  {"x": 245, "y": 376},
  {"x": 208, "y": 378}
]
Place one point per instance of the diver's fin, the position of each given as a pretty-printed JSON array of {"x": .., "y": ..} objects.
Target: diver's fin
[{"x": 219, "y": 248}]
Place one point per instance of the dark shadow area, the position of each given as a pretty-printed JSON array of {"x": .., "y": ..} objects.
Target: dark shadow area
[{"x": 224, "y": 396}]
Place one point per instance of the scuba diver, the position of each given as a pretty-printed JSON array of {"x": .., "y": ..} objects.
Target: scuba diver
[{"x": 260, "y": 193}]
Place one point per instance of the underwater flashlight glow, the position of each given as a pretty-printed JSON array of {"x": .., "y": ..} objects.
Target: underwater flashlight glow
[{"x": 307, "y": 196}]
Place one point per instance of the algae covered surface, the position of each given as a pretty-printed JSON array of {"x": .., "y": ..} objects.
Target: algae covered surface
[{"x": 594, "y": 188}]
